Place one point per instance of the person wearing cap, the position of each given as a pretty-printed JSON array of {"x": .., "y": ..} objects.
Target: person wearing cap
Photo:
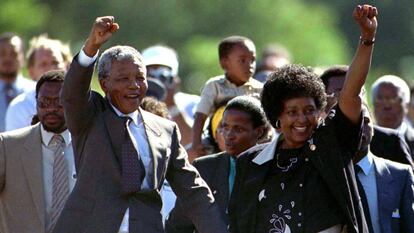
[{"x": 162, "y": 64}]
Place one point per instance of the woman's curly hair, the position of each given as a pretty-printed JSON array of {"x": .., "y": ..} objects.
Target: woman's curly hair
[{"x": 288, "y": 82}]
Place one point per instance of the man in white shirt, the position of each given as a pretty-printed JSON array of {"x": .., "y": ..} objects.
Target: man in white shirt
[
  {"x": 12, "y": 82},
  {"x": 37, "y": 169},
  {"x": 44, "y": 54}
]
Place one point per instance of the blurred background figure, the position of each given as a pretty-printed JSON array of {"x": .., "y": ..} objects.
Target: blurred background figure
[
  {"x": 12, "y": 82},
  {"x": 154, "y": 106},
  {"x": 273, "y": 57},
  {"x": 44, "y": 54},
  {"x": 410, "y": 114},
  {"x": 156, "y": 89},
  {"x": 162, "y": 64},
  {"x": 391, "y": 97}
]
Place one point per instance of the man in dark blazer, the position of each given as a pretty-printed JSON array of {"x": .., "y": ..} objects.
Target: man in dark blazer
[
  {"x": 214, "y": 169},
  {"x": 388, "y": 145},
  {"x": 123, "y": 153},
  {"x": 386, "y": 142},
  {"x": 387, "y": 185},
  {"x": 244, "y": 115}
]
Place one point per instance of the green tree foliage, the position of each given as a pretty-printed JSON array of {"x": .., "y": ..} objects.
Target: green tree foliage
[
  {"x": 23, "y": 16},
  {"x": 194, "y": 29}
]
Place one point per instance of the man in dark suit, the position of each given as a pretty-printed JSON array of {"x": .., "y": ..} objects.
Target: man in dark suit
[
  {"x": 385, "y": 143},
  {"x": 123, "y": 153},
  {"x": 243, "y": 125},
  {"x": 387, "y": 187}
]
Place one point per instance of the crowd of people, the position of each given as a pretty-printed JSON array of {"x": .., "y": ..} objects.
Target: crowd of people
[{"x": 268, "y": 147}]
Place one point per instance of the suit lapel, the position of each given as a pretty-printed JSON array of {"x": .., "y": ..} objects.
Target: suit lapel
[
  {"x": 384, "y": 188},
  {"x": 115, "y": 130},
  {"x": 220, "y": 179},
  {"x": 157, "y": 149},
  {"x": 31, "y": 158}
]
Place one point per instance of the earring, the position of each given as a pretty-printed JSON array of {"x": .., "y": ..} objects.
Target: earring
[{"x": 277, "y": 124}]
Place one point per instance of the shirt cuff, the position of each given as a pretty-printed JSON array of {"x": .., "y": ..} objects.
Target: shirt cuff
[{"x": 84, "y": 60}]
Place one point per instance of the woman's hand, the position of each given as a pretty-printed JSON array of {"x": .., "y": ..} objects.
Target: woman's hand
[{"x": 366, "y": 17}]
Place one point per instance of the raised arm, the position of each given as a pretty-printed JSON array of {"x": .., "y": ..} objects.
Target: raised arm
[
  {"x": 350, "y": 99},
  {"x": 76, "y": 93},
  {"x": 102, "y": 29}
]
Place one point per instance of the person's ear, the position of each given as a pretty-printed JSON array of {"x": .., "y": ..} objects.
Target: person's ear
[
  {"x": 223, "y": 63},
  {"x": 31, "y": 72},
  {"x": 103, "y": 82},
  {"x": 259, "y": 132}
]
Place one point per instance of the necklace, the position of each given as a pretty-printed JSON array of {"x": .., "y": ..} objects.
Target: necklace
[{"x": 285, "y": 168}]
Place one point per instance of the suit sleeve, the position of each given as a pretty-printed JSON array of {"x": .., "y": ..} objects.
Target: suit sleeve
[
  {"x": 2, "y": 164},
  {"x": 76, "y": 97},
  {"x": 192, "y": 191},
  {"x": 407, "y": 205}
]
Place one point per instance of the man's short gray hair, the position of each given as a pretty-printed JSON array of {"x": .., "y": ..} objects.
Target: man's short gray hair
[
  {"x": 119, "y": 53},
  {"x": 397, "y": 82}
]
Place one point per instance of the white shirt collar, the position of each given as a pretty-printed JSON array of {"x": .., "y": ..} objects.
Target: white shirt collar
[
  {"x": 366, "y": 163},
  {"x": 135, "y": 116},
  {"x": 402, "y": 128},
  {"x": 267, "y": 153},
  {"x": 47, "y": 136}
]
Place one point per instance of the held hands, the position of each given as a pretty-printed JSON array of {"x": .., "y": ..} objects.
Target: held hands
[
  {"x": 366, "y": 17},
  {"x": 101, "y": 31}
]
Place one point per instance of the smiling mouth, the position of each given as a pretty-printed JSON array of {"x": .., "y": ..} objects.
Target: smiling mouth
[
  {"x": 132, "y": 96},
  {"x": 301, "y": 129}
]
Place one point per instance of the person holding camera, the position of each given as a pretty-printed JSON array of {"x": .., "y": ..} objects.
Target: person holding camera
[{"x": 162, "y": 64}]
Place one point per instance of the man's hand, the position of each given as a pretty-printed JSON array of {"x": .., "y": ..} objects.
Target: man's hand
[
  {"x": 366, "y": 18},
  {"x": 102, "y": 30}
]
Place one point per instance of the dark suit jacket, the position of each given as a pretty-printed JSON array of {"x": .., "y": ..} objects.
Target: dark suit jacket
[
  {"x": 214, "y": 169},
  {"x": 333, "y": 164},
  {"x": 387, "y": 144},
  {"x": 96, "y": 203},
  {"x": 395, "y": 188}
]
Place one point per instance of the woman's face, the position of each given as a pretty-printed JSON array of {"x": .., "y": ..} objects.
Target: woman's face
[{"x": 299, "y": 118}]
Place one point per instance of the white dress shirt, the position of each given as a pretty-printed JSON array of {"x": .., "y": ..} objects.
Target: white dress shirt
[
  {"x": 21, "y": 111},
  {"x": 369, "y": 182},
  {"x": 47, "y": 163},
  {"x": 19, "y": 86}
]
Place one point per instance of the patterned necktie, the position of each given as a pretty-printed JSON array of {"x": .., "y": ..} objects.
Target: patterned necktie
[
  {"x": 133, "y": 170},
  {"x": 60, "y": 188},
  {"x": 363, "y": 196}
]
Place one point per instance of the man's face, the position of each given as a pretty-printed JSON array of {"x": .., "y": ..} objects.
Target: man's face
[
  {"x": 126, "y": 85},
  {"x": 388, "y": 106},
  {"x": 240, "y": 63},
  {"x": 49, "y": 110},
  {"x": 11, "y": 59},
  {"x": 45, "y": 60},
  {"x": 335, "y": 85},
  {"x": 238, "y": 131}
]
